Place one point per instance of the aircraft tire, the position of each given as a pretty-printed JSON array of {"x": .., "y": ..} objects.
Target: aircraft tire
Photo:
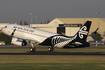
[
  {"x": 51, "y": 49},
  {"x": 33, "y": 49}
]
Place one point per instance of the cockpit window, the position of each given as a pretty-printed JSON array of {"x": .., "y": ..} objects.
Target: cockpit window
[{"x": 5, "y": 26}]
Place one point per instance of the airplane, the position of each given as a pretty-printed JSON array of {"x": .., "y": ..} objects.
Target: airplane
[{"x": 22, "y": 34}]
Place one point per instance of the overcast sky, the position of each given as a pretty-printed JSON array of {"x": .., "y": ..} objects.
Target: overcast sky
[{"x": 12, "y": 11}]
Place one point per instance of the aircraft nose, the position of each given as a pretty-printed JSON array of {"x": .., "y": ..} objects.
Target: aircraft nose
[{"x": 3, "y": 30}]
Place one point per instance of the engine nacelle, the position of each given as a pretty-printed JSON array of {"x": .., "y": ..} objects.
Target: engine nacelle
[{"x": 16, "y": 41}]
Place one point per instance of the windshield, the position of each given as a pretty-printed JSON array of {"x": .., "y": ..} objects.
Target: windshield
[{"x": 5, "y": 26}]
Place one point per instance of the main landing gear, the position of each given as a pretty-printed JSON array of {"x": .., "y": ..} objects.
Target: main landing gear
[
  {"x": 51, "y": 48},
  {"x": 33, "y": 49}
]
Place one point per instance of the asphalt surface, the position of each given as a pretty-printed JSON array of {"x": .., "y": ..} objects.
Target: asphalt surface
[{"x": 53, "y": 52}]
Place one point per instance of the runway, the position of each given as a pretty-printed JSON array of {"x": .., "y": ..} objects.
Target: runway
[
  {"x": 57, "y": 53},
  {"x": 99, "y": 53}
]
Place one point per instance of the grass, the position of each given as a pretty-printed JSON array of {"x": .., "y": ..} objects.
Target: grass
[
  {"x": 44, "y": 62},
  {"x": 51, "y": 66},
  {"x": 98, "y": 45},
  {"x": 31, "y": 61}
]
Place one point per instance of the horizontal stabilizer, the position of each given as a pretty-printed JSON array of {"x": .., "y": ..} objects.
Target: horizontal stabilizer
[{"x": 94, "y": 32}]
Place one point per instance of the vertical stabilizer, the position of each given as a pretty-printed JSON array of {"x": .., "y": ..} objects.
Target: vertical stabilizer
[{"x": 83, "y": 31}]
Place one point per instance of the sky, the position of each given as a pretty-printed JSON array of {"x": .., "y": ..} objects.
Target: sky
[{"x": 13, "y": 11}]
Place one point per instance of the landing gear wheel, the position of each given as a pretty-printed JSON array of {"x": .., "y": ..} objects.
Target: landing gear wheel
[
  {"x": 51, "y": 49},
  {"x": 33, "y": 49}
]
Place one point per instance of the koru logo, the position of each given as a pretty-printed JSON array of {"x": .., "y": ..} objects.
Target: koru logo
[{"x": 83, "y": 32}]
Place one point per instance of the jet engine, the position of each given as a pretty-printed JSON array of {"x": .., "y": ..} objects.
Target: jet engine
[{"x": 16, "y": 41}]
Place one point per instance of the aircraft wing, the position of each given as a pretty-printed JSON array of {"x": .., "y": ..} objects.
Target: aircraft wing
[{"x": 30, "y": 39}]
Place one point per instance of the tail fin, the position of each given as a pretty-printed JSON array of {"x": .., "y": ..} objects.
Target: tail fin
[{"x": 83, "y": 31}]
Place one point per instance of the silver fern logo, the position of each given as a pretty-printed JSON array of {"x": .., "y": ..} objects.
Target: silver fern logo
[
  {"x": 60, "y": 41},
  {"x": 83, "y": 32}
]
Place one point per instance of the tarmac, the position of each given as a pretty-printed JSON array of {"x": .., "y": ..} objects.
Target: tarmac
[{"x": 52, "y": 52}]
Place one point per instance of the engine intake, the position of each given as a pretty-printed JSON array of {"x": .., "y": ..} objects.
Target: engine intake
[{"x": 16, "y": 41}]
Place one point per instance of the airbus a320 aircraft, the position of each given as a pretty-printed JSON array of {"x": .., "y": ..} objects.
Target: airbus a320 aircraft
[{"x": 22, "y": 33}]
